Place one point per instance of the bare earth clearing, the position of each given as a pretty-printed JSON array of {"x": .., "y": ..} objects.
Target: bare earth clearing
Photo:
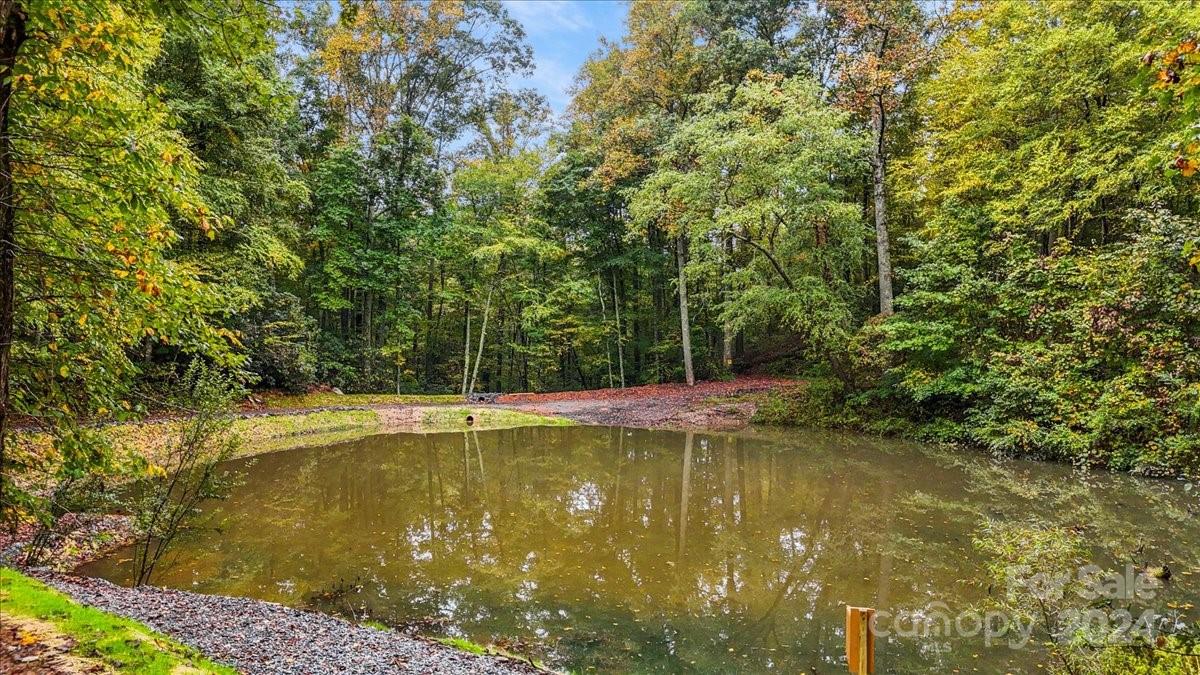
[
  {"x": 662, "y": 406},
  {"x": 707, "y": 405}
]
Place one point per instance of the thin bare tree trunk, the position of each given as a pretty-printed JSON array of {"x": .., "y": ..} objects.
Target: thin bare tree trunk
[
  {"x": 617, "y": 309},
  {"x": 466, "y": 348},
  {"x": 13, "y": 15},
  {"x": 878, "y": 176},
  {"x": 487, "y": 306},
  {"x": 604, "y": 322},
  {"x": 726, "y": 329},
  {"x": 684, "y": 324}
]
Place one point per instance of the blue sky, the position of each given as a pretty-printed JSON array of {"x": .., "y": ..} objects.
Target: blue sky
[{"x": 563, "y": 33}]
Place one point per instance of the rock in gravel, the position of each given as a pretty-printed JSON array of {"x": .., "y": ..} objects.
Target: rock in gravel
[{"x": 258, "y": 637}]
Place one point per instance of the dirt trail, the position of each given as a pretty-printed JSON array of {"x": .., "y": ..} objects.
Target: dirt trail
[{"x": 30, "y": 646}]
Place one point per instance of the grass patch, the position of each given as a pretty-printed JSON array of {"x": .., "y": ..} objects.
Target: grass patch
[
  {"x": 283, "y": 432},
  {"x": 271, "y": 433},
  {"x": 266, "y": 433},
  {"x": 455, "y": 419},
  {"x": 328, "y": 399},
  {"x": 465, "y": 645},
  {"x": 122, "y": 644}
]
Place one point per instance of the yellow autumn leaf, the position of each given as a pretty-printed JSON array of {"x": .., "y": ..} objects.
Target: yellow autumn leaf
[{"x": 64, "y": 371}]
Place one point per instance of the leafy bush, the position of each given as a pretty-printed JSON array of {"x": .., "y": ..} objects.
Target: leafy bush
[
  {"x": 278, "y": 337},
  {"x": 187, "y": 473},
  {"x": 1087, "y": 355}
]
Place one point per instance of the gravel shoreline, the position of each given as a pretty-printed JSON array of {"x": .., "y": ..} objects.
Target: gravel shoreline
[{"x": 258, "y": 637}]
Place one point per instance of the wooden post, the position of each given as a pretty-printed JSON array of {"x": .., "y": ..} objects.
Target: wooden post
[{"x": 860, "y": 640}]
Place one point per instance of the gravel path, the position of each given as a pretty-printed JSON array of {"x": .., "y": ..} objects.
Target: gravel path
[{"x": 263, "y": 637}]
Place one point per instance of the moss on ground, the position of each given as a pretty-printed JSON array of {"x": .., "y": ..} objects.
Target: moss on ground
[{"x": 121, "y": 644}]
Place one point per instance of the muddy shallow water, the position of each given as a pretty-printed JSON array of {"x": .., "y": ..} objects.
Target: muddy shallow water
[{"x": 621, "y": 550}]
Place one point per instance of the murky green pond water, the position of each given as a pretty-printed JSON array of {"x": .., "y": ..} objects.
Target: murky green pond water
[{"x": 620, "y": 550}]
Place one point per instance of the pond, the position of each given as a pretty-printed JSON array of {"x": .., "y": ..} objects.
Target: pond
[{"x": 620, "y": 550}]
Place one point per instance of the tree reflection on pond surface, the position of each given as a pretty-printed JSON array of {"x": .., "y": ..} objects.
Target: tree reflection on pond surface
[{"x": 630, "y": 550}]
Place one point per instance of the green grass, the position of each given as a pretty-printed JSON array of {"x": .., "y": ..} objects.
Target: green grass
[
  {"x": 455, "y": 419},
  {"x": 122, "y": 644},
  {"x": 286, "y": 431},
  {"x": 283, "y": 432},
  {"x": 465, "y": 645},
  {"x": 328, "y": 399}
]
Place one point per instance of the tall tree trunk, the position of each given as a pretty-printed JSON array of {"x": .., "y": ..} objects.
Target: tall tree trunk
[
  {"x": 878, "y": 175},
  {"x": 482, "y": 336},
  {"x": 726, "y": 329},
  {"x": 617, "y": 309},
  {"x": 13, "y": 15},
  {"x": 427, "y": 357},
  {"x": 368, "y": 332},
  {"x": 604, "y": 322},
  {"x": 684, "y": 324},
  {"x": 466, "y": 347}
]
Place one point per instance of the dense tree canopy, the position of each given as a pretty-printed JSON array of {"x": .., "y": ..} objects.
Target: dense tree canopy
[{"x": 357, "y": 195}]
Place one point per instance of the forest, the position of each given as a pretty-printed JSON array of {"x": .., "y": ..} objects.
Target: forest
[
  {"x": 975, "y": 224},
  {"x": 315, "y": 291}
]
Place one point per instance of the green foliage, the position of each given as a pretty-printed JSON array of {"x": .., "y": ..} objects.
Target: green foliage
[
  {"x": 374, "y": 211},
  {"x": 464, "y": 645},
  {"x": 1053, "y": 311},
  {"x": 186, "y": 471},
  {"x": 1176, "y": 655},
  {"x": 761, "y": 173},
  {"x": 103, "y": 183}
]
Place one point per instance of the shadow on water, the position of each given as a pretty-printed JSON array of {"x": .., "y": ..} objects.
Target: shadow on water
[{"x": 630, "y": 550}]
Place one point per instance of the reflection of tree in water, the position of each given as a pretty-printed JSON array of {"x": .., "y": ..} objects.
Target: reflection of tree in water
[{"x": 614, "y": 547}]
